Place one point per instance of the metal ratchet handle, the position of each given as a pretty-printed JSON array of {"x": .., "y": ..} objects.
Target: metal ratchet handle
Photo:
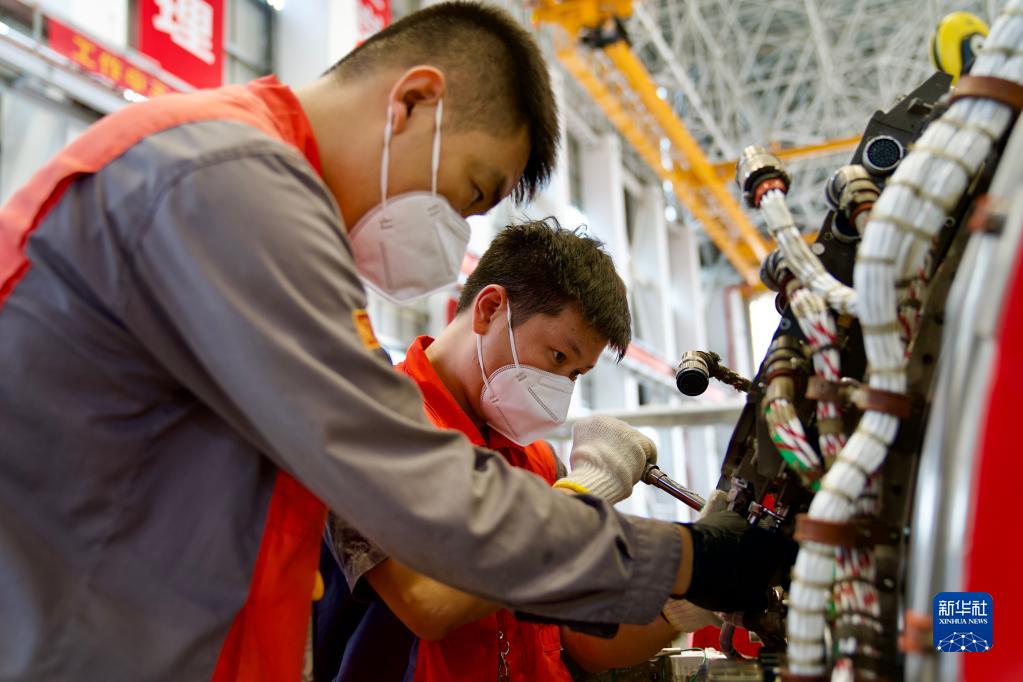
[{"x": 657, "y": 478}]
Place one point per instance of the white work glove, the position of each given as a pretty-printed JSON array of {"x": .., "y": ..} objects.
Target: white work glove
[
  {"x": 608, "y": 458},
  {"x": 716, "y": 501},
  {"x": 685, "y": 616}
]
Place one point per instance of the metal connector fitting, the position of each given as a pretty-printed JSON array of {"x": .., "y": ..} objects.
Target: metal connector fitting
[
  {"x": 785, "y": 357},
  {"x": 693, "y": 375},
  {"x": 774, "y": 272},
  {"x": 755, "y": 167},
  {"x": 882, "y": 154},
  {"x": 698, "y": 366},
  {"x": 850, "y": 191}
]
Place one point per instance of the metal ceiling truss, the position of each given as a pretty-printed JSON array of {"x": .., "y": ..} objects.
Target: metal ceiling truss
[
  {"x": 800, "y": 76},
  {"x": 797, "y": 74}
]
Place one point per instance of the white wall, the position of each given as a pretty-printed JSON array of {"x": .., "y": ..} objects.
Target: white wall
[
  {"x": 311, "y": 36},
  {"x": 103, "y": 19}
]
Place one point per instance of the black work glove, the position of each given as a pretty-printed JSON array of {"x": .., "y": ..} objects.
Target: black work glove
[{"x": 734, "y": 563}]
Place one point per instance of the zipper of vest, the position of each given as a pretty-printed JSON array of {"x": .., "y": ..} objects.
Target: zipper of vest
[{"x": 503, "y": 649}]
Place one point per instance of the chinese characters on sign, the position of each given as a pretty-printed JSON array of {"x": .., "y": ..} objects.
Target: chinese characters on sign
[
  {"x": 94, "y": 58},
  {"x": 189, "y": 23},
  {"x": 186, "y": 37}
]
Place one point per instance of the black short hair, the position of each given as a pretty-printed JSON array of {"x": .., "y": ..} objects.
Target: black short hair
[
  {"x": 497, "y": 79},
  {"x": 545, "y": 268}
]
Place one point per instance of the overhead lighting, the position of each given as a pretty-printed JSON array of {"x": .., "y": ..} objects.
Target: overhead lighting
[
  {"x": 662, "y": 92},
  {"x": 667, "y": 187},
  {"x": 4, "y": 29},
  {"x": 670, "y": 214},
  {"x": 276, "y": 4},
  {"x": 133, "y": 96}
]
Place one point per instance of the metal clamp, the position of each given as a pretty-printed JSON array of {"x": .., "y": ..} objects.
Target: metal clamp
[
  {"x": 847, "y": 391},
  {"x": 1000, "y": 90},
  {"x": 857, "y": 533}
]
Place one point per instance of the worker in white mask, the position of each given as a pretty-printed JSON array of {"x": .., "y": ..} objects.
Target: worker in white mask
[
  {"x": 411, "y": 244},
  {"x": 537, "y": 313}
]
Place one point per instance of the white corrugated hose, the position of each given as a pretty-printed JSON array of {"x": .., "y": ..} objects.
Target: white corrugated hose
[{"x": 928, "y": 184}]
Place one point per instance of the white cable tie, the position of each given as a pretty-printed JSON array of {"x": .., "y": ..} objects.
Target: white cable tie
[
  {"x": 854, "y": 464},
  {"x": 945, "y": 155},
  {"x": 807, "y": 612},
  {"x": 814, "y": 584},
  {"x": 853, "y": 579},
  {"x": 880, "y": 329},
  {"x": 960, "y": 124},
  {"x": 902, "y": 225},
  {"x": 806, "y": 640},
  {"x": 829, "y": 555},
  {"x": 876, "y": 260},
  {"x": 835, "y": 286},
  {"x": 870, "y": 435},
  {"x": 838, "y": 492},
  {"x": 923, "y": 194},
  {"x": 894, "y": 370}
]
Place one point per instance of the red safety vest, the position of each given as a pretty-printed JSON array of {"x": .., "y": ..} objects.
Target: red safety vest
[
  {"x": 267, "y": 638},
  {"x": 472, "y": 652}
]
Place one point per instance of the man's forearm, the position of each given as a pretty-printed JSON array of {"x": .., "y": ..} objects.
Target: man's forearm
[
  {"x": 632, "y": 645},
  {"x": 429, "y": 608}
]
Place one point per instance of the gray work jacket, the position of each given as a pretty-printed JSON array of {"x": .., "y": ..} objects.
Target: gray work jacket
[{"x": 184, "y": 331}]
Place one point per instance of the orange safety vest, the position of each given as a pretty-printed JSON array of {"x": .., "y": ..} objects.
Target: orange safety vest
[
  {"x": 472, "y": 652},
  {"x": 268, "y": 636}
]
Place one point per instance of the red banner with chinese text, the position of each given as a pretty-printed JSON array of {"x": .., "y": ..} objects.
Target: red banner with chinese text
[
  {"x": 95, "y": 58},
  {"x": 185, "y": 37},
  {"x": 373, "y": 15}
]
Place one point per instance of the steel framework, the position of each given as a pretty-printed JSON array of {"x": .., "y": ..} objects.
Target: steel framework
[
  {"x": 789, "y": 73},
  {"x": 799, "y": 75}
]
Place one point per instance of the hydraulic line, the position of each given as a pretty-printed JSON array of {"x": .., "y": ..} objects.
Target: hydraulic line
[
  {"x": 857, "y": 629},
  {"x": 819, "y": 328},
  {"x": 784, "y": 364},
  {"x": 764, "y": 183},
  {"x": 856, "y": 602}
]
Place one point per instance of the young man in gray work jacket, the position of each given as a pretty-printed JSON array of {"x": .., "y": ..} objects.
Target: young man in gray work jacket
[{"x": 190, "y": 377}]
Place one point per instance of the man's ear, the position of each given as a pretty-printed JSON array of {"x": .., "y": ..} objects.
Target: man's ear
[
  {"x": 420, "y": 85},
  {"x": 488, "y": 306}
]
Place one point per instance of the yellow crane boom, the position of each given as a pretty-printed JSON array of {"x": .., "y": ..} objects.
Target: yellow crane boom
[{"x": 644, "y": 119}]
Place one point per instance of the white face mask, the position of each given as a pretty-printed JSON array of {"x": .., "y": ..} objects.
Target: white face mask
[
  {"x": 522, "y": 402},
  {"x": 412, "y": 244}
]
